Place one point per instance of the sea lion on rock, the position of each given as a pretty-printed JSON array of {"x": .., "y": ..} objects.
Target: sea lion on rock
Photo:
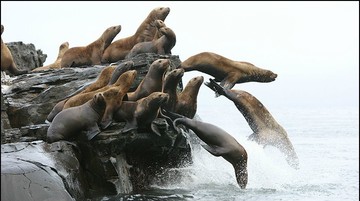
[
  {"x": 70, "y": 122},
  {"x": 7, "y": 60},
  {"x": 186, "y": 103},
  {"x": 145, "y": 32},
  {"x": 57, "y": 64},
  {"x": 92, "y": 53},
  {"x": 170, "y": 85},
  {"x": 152, "y": 81},
  {"x": 124, "y": 83},
  {"x": 162, "y": 45},
  {"x": 100, "y": 82},
  {"x": 226, "y": 71},
  {"x": 159, "y": 24},
  {"x": 141, "y": 113},
  {"x": 218, "y": 143},
  {"x": 120, "y": 69},
  {"x": 266, "y": 130}
]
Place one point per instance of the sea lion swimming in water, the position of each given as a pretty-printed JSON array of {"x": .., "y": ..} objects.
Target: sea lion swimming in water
[{"x": 266, "y": 130}]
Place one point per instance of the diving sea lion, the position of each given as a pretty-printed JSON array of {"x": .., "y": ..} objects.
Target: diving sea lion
[
  {"x": 186, "y": 104},
  {"x": 225, "y": 70},
  {"x": 266, "y": 130},
  {"x": 124, "y": 83},
  {"x": 170, "y": 84},
  {"x": 218, "y": 143},
  {"x": 152, "y": 81},
  {"x": 7, "y": 60},
  {"x": 62, "y": 49},
  {"x": 145, "y": 32},
  {"x": 92, "y": 53},
  {"x": 141, "y": 113},
  {"x": 70, "y": 122},
  {"x": 162, "y": 45}
]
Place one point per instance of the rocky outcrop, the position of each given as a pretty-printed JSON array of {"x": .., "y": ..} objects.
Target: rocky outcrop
[
  {"x": 26, "y": 56},
  {"x": 111, "y": 163}
]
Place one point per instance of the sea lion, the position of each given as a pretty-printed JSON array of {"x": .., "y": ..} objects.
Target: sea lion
[
  {"x": 266, "y": 129},
  {"x": 186, "y": 104},
  {"x": 62, "y": 49},
  {"x": 145, "y": 32},
  {"x": 108, "y": 76},
  {"x": 124, "y": 83},
  {"x": 120, "y": 69},
  {"x": 141, "y": 113},
  {"x": 7, "y": 60},
  {"x": 218, "y": 143},
  {"x": 158, "y": 24},
  {"x": 152, "y": 81},
  {"x": 92, "y": 53},
  {"x": 114, "y": 98},
  {"x": 162, "y": 45},
  {"x": 56, "y": 109},
  {"x": 100, "y": 82},
  {"x": 70, "y": 122},
  {"x": 170, "y": 84},
  {"x": 225, "y": 70}
]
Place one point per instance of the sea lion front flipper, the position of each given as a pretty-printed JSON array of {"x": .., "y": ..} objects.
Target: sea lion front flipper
[
  {"x": 130, "y": 125},
  {"x": 92, "y": 132},
  {"x": 229, "y": 81},
  {"x": 214, "y": 150}
]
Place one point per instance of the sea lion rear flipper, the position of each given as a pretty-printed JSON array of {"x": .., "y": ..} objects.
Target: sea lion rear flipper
[
  {"x": 92, "y": 132},
  {"x": 214, "y": 150},
  {"x": 155, "y": 129}
]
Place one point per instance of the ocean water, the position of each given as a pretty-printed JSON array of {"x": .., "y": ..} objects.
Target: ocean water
[{"x": 326, "y": 141}]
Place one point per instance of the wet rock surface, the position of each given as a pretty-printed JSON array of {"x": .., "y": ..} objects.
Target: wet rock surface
[{"x": 111, "y": 163}]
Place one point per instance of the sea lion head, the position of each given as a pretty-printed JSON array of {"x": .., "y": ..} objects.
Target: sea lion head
[
  {"x": 110, "y": 34},
  {"x": 99, "y": 103},
  {"x": 160, "y": 13},
  {"x": 158, "y": 98}
]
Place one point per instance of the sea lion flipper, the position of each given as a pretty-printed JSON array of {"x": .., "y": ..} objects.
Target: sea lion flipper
[
  {"x": 130, "y": 125},
  {"x": 155, "y": 129},
  {"x": 214, "y": 150},
  {"x": 92, "y": 132}
]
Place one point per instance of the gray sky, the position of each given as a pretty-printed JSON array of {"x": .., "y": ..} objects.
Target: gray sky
[{"x": 312, "y": 46}]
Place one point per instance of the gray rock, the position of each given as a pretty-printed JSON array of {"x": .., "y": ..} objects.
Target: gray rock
[
  {"x": 26, "y": 56},
  {"x": 111, "y": 163}
]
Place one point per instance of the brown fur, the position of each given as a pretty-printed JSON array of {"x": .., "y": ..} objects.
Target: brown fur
[
  {"x": 227, "y": 71},
  {"x": 162, "y": 45},
  {"x": 186, "y": 104},
  {"x": 71, "y": 122},
  {"x": 57, "y": 64},
  {"x": 267, "y": 131},
  {"x": 152, "y": 81},
  {"x": 170, "y": 84},
  {"x": 145, "y": 32},
  {"x": 159, "y": 24},
  {"x": 92, "y": 53},
  {"x": 124, "y": 82},
  {"x": 140, "y": 113},
  {"x": 7, "y": 60}
]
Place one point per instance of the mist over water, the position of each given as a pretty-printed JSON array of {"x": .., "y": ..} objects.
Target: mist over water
[{"x": 326, "y": 142}]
